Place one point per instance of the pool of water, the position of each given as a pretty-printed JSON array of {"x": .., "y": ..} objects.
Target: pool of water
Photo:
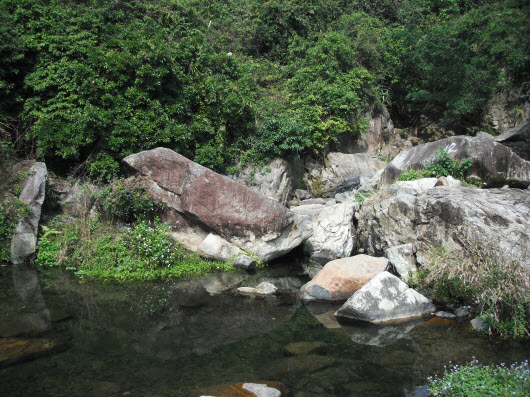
[{"x": 166, "y": 339}]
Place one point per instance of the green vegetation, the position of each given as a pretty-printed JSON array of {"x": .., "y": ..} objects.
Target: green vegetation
[
  {"x": 442, "y": 165},
  {"x": 86, "y": 83},
  {"x": 483, "y": 277},
  {"x": 97, "y": 250},
  {"x": 474, "y": 380}
]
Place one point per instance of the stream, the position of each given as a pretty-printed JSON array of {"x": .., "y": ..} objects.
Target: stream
[{"x": 168, "y": 338}]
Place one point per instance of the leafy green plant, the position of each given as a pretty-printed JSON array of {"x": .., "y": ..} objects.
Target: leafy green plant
[
  {"x": 361, "y": 196},
  {"x": 96, "y": 250},
  {"x": 442, "y": 165},
  {"x": 126, "y": 202},
  {"x": 475, "y": 380}
]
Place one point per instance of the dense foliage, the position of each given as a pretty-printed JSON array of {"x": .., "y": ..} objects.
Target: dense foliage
[
  {"x": 97, "y": 250},
  {"x": 87, "y": 83},
  {"x": 475, "y": 379},
  {"x": 442, "y": 165}
]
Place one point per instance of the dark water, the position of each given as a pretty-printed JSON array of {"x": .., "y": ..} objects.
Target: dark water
[{"x": 168, "y": 338}]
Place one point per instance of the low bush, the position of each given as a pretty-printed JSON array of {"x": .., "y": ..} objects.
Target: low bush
[
  {"x": 474, "y": 379},
  {"x": 96, "y": 250},
  {"x": 498, "y": 286},
  {"x": 442, "y": 165}
]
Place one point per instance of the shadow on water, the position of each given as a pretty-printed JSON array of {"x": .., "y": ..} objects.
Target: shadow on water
[{"x": 168, "y": 338}]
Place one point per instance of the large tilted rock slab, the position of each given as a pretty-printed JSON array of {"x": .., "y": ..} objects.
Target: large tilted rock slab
[
  {"x": 24, "y": 240},
  {"x": 340, "y": 278},
  {"x": 330, "y": 229},
  {"x": 491, "y": 160},
  {"x": 495, "y": 219},
  {"x": 342, "y": 172},
  {"x": 218, "y": 204},
  {"x": 384, "y": 298}
]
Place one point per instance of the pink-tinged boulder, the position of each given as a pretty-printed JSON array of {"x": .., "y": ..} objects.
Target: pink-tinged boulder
[
  {"x": 339, "y": 279},
  {"x": 218, "y": 204}
]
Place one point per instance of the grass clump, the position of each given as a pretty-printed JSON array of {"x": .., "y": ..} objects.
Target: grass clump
[
  {"x": 500, "y": 287},
  {"x": 442, "y": 165},
  {"x": 96, "y": 250},
  {"x": 474, "y": 380}
]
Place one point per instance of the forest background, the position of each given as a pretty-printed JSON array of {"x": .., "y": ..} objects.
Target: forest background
[{"x": 85, "y": 83}]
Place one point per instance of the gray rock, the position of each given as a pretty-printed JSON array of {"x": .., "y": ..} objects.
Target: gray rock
[
  {"x": 448, "y": 181},
  {"x": 463, "y": 311},
  {"x": 24, "y": 239},
  {"x": 491, "y": 160},
  {"x": 302, "y": 194},
  {"x": 385, "y": 298},
  {"x": 479, "y": 325},
  {"x": 342, "y": 172},
  {"x": 402, "y": 260},
  {"x": 217, "y": 248},
  {"x": 261, "y": 390},
  {"x": 345, "y": 197},
  {"x": 443, "y": 314},
  {"x": 263, "y": 288},
  {"x": 78, "y": 200},
  {"x": 439, "y": 217},
  {"x": 517, "y": 139},
  {"x": 277, "y": 180},
  {"x": 318, "y": 201},
  {"x": 244, "y": 262},
  {"x": 330, "y": 230},
  {"x": 369, "y": 184}
]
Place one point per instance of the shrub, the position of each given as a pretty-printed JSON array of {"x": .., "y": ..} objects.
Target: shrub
[
  {"x": 474, "y": 379},
  {"x": 485, "y": 277},
  {"x": 125, "y": 201},
  {"x": 96, "y": 250},
  {"x": 442, "y": 165}
]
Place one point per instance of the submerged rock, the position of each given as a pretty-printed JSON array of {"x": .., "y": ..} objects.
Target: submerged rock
[
  {"x": 264, "y": 288},
  {"x": 340, "y": 278},
  {"x": 384, "y": 298},
  {"x": 16, "y": 350},
  {"x": 303, "y": 348},
  {"x": 243, "y": 389}
]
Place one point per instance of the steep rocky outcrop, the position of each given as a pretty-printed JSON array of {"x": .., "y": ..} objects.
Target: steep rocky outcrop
[
  {"x": 496, "y": 219},
  {"x": 217, "y": 204},
  {"x": 330, "y": 230},
  {"x": 340, "y": 278},
  {"x": 491, "y": 160},
  {"x": 24, "y": 239}
]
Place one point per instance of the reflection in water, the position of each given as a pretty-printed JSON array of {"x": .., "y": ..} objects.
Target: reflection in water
[{"x": 32, "y": 317}]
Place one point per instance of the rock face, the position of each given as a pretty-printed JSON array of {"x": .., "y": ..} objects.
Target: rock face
[
  {"x": 218, "y": 204},
  {"x": 491, "y": 160},
  {"x": 402, "y": 260},
  {"x": 342, "y": 172},
  {"x": 33, "y": 191},
  {"x": 385, "y": 298},
  {"x": 330, "y": 230},
  {"x": 438, "y": 217},
  {"x": 340, "y": 278},
  {"x": 517, "y": 139},
  {"x": 278, "y": 180}
]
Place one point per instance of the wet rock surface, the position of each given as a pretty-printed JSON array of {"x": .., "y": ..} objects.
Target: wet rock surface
[{"x": 16, "y": 350}]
